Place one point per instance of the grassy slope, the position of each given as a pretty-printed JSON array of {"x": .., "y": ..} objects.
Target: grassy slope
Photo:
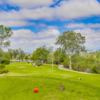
[{"x": 50, "y": 83}]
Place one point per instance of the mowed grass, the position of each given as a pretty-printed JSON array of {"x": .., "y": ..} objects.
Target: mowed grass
[{"x": 22, "y": 78}]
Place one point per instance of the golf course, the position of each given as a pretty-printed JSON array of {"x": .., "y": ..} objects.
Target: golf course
[
  {"x": 53, "y": 84},
  {"x": 49, "y": 49}
]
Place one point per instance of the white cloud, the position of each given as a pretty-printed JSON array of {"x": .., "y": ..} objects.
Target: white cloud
[
  {"x": 67, "y": 10},
  {"x": 78, "y": 8},
  {"x": 92, "y": 35},
  {"x": 92, "y": 38},
  {"x": 82, "y": 25},
  {"x": 12, "y": 15},
  {"x": 30, "y": 3},
  {"x": 44, "y": 12},
  {"x": 12, "y": 23},
  {"x": 29, "y": 40},
  {"x": 39, "y": 9}
]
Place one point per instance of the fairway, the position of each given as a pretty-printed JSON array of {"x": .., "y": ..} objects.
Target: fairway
[
  {"x": 49, "y": 49},
  {"x": 22, "y": 78}
]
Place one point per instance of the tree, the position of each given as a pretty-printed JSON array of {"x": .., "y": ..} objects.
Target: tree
[
  {"x": 27, "y": 57},
  {"x": 10, "y": 51},
  {"x": 17, "y": 54},
  {"x": 5, "y": 34},
  {"x": 59, "y": 56},
  {"x": 13, "y": 53},
  {"x": 40, "y": 54},
  {"x": 72, "y": 43},
  {"x": 21, "y": 54},
  {"x": 4, "y": 57}
]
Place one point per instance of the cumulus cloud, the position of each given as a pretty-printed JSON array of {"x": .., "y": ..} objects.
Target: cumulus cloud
[
  {"x": 67, "y": 10},
  {"x": 82, "y": 25},
  {"x": 78, "y": 8},
  {"x": 29, "y": 40},
  {"x": 40, "y": 9},
  {"x": 13, "y": 23},
  {"x": 28, "y": 3},
  {"x": 89, "y": 31},
  {"x": 92, "y": 38},
  {"x": 39, "y": 13}
]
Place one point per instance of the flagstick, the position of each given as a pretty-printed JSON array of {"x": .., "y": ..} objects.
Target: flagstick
[{"x": 52, "y": 62}]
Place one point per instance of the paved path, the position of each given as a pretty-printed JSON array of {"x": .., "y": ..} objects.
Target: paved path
[
  {"x": 15, "y": 74},
  {"x": 59, "y": 67},
  {"x": 65, "y": 69}
]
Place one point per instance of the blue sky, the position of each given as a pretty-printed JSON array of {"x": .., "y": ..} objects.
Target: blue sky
[{"x": 40, "y": 22}]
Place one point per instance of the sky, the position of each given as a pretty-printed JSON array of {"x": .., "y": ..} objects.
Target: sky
[{"x": 39, "y": 22}]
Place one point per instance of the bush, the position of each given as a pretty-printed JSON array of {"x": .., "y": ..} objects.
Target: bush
[
  {"x": 88, "y": 70},
  {"x": 66, "y": 63},
  {"x": 2, "y": 66},
  {"x": 2, "y": 69},
  {"x": 5, "y": 61},
  {"x": 38, "y": 63},
  {"x": 96, "y": 70}
]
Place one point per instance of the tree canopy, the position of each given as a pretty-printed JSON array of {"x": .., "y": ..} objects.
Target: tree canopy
[
  {"x": 72, "y": 43},
  {"x": 5, "y": 34},
  {"x": 40, "y": 54}
]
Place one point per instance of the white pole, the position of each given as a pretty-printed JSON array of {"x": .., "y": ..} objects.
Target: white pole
[{"x": 52, "y": 60}]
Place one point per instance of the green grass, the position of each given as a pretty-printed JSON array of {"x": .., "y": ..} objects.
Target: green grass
[{"x": 18, "y": 84}]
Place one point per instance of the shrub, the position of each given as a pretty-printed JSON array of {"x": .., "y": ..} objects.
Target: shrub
[
  {"x": 96, "y": 70},
  {"x": 2, "y": 66},
  {"x": 66, "y": 63},
  {"x": 5, "y": 61},
  {"x": 2, "y": 69},
  {"x": 38, "y": 63},
  {"x": 88, "y": 70}
]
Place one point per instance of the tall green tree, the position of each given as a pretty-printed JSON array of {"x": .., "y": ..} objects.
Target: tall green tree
[
  {"x": 10, "y": 51},
  {"x": 4, "y": 57},
  {"x": 5, "y": 34},
  {"x": 21, "y": 54},
  {"x": 40, "y": 54},
  {"x": 27, "y": 57},
  {"x": 72, "y": 43},
  {"x": 17, "y": 54},
  {"x": 59, "y": 56}
]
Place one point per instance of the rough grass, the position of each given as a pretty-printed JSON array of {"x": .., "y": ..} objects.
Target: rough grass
[{"x": 18, "y": 84}]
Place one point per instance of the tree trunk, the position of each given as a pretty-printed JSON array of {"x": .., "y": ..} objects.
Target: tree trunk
[{"x": 70, "y": 62}]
